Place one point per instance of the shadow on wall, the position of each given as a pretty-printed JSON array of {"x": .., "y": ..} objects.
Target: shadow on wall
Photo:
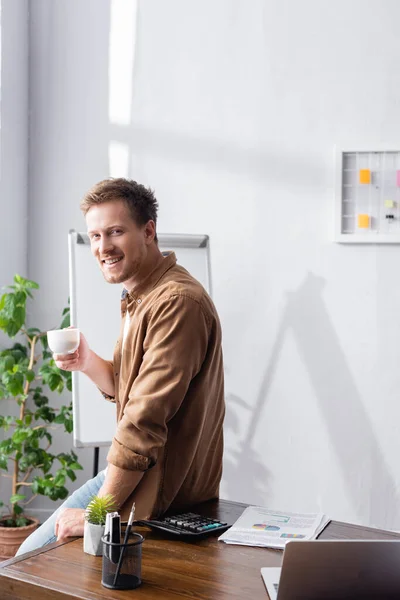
[
  {"x": 246, "y": 477},
  {"x": 368, "y": 481}
]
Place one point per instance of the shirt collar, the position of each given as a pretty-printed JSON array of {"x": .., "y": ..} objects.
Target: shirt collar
[{"x": 150, "y": 281}]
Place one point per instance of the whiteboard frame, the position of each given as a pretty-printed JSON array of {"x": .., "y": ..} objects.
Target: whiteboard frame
[
  {"x": 172, "y": 240},
  {"x": 354, "y": 238}
]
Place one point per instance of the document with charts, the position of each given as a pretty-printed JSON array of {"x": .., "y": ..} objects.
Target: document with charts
[{"x": 259, "y": 526}]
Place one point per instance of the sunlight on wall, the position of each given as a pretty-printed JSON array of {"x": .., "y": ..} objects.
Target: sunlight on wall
[
  {"x": 118, "y": 159},
  {"x": 121, "y": 60}
]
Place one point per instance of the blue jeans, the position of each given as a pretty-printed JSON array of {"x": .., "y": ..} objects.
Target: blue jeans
[{"x": 79, "y": 499}]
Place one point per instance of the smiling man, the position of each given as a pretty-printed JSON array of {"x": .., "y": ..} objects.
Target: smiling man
[{"x": 166, "y": 377}]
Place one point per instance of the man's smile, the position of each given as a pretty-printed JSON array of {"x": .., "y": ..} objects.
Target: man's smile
[{"x": 112, "y": 261}]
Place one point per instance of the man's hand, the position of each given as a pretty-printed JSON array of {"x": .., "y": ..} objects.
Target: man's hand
[
  {"x": 78, "y": 360},
  {"x": 100, "y": 371},
  {"x": 70, "y": 522}
]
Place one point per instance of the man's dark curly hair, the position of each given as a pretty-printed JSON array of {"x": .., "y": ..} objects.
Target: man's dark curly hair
[{"x": 140, "y": 200}]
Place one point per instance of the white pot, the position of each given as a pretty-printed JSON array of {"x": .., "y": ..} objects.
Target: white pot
[{"x": 92, "y": 543}]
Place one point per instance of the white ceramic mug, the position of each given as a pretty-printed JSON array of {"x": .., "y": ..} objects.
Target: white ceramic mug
[{"x": 63, "y": 341}]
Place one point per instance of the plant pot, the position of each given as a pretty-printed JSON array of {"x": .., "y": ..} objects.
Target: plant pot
[
  {"x": 92, "y": 535},
  {"x": 12, "y": 537}
]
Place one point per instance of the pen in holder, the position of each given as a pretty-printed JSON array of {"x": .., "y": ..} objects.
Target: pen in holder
[
  {"x": 126, "y": 573},
  {"x": 127, "y": 556}
]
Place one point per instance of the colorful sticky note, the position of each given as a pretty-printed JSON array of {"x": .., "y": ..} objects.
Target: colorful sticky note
[
  {"x": 389, "y": 203},
  {"x": 365, "y": 176},
  {"x": 363, "y": 221},
  {"x": 398, "y": 178}
]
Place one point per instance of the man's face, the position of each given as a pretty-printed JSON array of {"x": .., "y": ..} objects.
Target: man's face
[{"x": 117, "y": 242}]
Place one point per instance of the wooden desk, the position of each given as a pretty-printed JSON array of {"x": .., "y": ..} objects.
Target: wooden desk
[{"x": 206, "y": 570}]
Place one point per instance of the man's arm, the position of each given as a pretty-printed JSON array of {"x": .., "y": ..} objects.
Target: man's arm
[
  {"x": 118, "y": 482},
  {"x": 100, "y": 371}
]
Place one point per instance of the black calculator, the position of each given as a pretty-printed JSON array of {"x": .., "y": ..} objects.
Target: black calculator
[{"x": 189, "y": 525}]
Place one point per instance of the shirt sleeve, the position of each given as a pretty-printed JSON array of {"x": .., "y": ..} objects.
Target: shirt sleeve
[
  {"x": 174, "y": 349},
  {"x": 104, "y": 394}
]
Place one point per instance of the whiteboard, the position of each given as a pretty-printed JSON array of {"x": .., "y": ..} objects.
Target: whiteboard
[{"x": 95, "y": 309}]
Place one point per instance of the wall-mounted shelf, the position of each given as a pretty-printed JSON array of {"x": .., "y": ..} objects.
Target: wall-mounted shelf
[{"x": 367, "y": 198}]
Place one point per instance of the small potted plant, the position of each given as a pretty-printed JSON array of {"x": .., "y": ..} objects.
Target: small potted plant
[{"x": 95, "y": 521}]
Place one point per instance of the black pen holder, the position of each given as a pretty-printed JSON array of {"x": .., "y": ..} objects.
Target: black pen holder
[{"x": 122, "y": 563}]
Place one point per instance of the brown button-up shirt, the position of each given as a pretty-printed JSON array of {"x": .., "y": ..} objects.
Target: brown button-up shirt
[{"x": 169, "y": 387}]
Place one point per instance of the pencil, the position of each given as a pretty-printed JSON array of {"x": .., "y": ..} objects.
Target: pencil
[{"x": 126, "y": 538}]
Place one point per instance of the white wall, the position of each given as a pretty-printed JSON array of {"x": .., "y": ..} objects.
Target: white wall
[
  {"x": 230, "y": 110},
  {"x": 13, "y": 158},
  {"x": 13, "y": 139}
]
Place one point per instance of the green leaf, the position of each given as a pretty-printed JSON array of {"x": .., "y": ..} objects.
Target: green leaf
[
  {"x": 9, "y": 363},
  {"x": 3, "y": 462},
  {"x": 59, "y": 419},
  {"x": 76, "y": 466},
  {"x": 71, "y": 474},
  {"x": 40, "y": 400},
  {"x": 31, "y": 284},
  {"x": 19, "y": 436},
  {"x": 12, "y": 329},
  {"x": 59, "y": 480},
  {"x": 20, "y": 298},
  {"x": 17, "y": 509},
  {"x": 25, "y": 283},
  {"x": 9, "y": 305},
  {"x": 66, "y": 322},
  {"x": 46, "y": 413},
  {"x": 36, "y": 486},
  {"x": 53, "y": 381},
  {"x": 14, "y": 382},
  {"x": 19, "y": 316},
  {"x": 62, "y": 493},
  {"x": 30, "y": 375},
  {"x": 17, "y": 498}
]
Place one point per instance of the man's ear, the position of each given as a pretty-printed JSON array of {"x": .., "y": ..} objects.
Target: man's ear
[{"x": 149, "y": 231}]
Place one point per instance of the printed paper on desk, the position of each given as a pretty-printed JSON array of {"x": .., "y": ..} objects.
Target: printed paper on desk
[{"x": 259, "y": 526}]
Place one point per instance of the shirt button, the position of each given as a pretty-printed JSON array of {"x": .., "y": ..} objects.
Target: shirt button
[{"x": 138, "y": 300}]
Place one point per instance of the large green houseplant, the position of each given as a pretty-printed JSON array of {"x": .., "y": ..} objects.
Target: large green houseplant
[{"x": 26, "y": 369}]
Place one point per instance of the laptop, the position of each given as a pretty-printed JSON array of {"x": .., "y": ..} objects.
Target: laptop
[{"x": 319, "y": 569}]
